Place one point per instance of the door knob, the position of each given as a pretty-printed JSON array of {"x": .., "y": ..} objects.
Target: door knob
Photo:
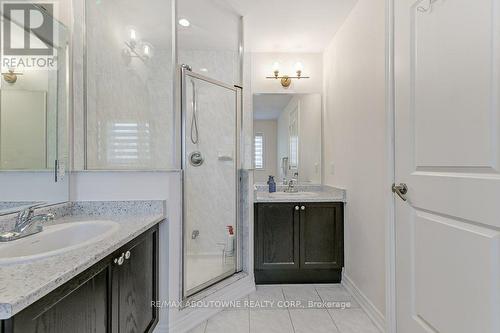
[{"x": 400, "y": 190}]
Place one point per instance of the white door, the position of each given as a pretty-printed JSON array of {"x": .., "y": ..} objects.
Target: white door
[{"x": 447, "y": 60}]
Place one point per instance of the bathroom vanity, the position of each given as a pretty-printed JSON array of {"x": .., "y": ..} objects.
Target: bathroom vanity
[
  {"x": 299, "y": 237},
  {"x": 104, "y": 286},
  {"x": 114, "y": 295}
]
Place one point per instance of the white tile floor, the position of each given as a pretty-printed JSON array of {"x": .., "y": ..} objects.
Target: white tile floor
[{"x": 325, "y": 308}]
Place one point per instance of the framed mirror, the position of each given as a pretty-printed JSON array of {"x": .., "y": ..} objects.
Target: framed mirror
[
  {"x": 33, "y": 109},
  {"x": 287, "y": 137}
]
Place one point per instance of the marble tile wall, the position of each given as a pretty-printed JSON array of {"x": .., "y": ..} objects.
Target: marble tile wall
[{"x": 128, "y": 98}]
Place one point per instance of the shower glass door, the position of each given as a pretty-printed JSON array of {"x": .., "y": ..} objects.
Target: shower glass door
[{"x": 210, "y": 186}]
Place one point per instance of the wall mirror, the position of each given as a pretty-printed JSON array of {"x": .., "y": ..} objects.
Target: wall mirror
[
  {"x": 129, "y": 70},
  {"x": 287, "y": 137},
  {"x": 33, "y": 114}
]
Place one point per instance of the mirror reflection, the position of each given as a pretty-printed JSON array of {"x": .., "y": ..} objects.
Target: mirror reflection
[
  {"x": 287, "y": 137},
  {"x": 33, "y": 116}
]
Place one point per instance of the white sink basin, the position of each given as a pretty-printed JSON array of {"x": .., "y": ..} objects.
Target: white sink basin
[
  {"x": 293, "y": 195},
  {"x": 56, "y": 239}
]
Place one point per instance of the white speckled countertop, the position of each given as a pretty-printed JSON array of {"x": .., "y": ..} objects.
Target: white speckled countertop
[
  {"x": 322, "y": 193},
  {"x": 23, "y": 284}
]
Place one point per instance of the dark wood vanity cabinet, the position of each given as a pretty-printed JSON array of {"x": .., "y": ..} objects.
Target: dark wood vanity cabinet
[
  {"x": 113, "y": 296},
  {"x": 135, "y": 285},
  {"x": 299, "y": 242}
]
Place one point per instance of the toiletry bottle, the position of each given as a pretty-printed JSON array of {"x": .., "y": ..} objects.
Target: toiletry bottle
[
  {"x": 230, "y": 240},
  {"x": 272, "y": 184}
]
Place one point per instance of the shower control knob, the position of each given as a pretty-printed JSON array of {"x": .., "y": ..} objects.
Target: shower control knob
[
  {"x": 303, "y": 208},
  {"x": 196, "y": 159},
  {"x": 296, "y": 207}
]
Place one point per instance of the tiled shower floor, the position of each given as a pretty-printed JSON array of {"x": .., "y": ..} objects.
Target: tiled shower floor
[
  {"x": 203, "y": 268},
  {"x": 292, "y": 309}
]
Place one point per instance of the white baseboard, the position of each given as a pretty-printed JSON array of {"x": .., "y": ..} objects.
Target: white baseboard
[
  {"x": 190, "y": 318},
  {"x": 364, "y": 302}
]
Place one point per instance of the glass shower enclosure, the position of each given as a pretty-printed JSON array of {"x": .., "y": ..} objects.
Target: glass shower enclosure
[{"x": 211, "y": 128}]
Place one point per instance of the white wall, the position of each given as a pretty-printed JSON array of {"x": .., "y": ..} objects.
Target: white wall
[
  {"x": 355, "y": 142},
  {"x": 262, "y": 64},
  {"x": 269, "y": 129}
]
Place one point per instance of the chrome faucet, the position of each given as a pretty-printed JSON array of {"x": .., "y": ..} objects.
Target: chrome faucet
[
  {"x": 27, "y": 223},
  {"x": 291, "y": 187},
  {"x": 27, "y": 220}
]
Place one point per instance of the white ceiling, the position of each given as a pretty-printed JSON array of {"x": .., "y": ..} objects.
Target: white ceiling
[
  {"x": 212, "y": 26},
  {"x": 269, "y": 106},
  {"x": 291, "y": 25}
]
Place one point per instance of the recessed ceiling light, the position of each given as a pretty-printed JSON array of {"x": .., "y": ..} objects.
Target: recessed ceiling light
[{"x": 184, "y": 22}]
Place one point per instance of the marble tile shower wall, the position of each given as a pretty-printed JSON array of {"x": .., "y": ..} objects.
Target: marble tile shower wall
[
  {"x": 121, "y": 90},
  {"x": 221, "y": 65},
  {"x": 129, "y": 107}
]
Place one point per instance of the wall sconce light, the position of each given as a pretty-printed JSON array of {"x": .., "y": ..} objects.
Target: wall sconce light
[
  {"x": 11, "y": 76},
  {"x": 286, "y": 80},
  {"x": 136, "y": 48}
]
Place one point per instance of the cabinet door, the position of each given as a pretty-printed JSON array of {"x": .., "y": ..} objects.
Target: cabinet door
[
  {"x": 79, "y": 306},
  {"x": 321, "y": 235},
  {"x": 277, "y": 236},
  {"x": 136, "y": 285}
]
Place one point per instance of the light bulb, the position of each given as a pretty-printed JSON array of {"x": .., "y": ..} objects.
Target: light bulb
[
  {"x": 299, "y": 67},
  {"x": 184, "y": 22},
  {"x": 146, "y": 50},
  {"x": 133, "y": 34},
  {"x": 276, "y": 67}
]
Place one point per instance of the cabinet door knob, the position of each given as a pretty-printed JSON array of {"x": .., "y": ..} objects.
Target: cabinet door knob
[
  {"x": 296, "y": 207},
  {"x": 127, "y": 255},
  {"x": 303, "y": 208},
  {"x": 120, "y": 260}
]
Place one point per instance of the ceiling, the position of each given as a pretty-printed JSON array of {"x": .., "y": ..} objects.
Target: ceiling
[
  {"x": 269, "y": 106},
  {"x": 291, "y": 25},
  {"x": 212, "y": 25}
]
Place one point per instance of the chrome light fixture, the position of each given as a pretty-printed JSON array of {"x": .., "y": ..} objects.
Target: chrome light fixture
[
  {"x": 286, "y": 80},
  {"x": 135, "y": 48}
]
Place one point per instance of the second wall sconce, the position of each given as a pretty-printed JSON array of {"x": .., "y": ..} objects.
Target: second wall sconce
[
  {"x": 135, "y": 48},
  {"x": 286, "y": 80}
]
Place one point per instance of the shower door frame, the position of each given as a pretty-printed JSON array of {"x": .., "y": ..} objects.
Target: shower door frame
[{"x": 185, "y": 71}]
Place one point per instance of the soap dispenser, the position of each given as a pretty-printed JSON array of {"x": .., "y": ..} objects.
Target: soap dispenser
[{"x": 272, "y": 184}]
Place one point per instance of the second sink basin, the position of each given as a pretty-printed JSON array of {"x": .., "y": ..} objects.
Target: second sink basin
[
  {"x": 56, "y": 239},
  {"x": 293, "y": 195}
]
